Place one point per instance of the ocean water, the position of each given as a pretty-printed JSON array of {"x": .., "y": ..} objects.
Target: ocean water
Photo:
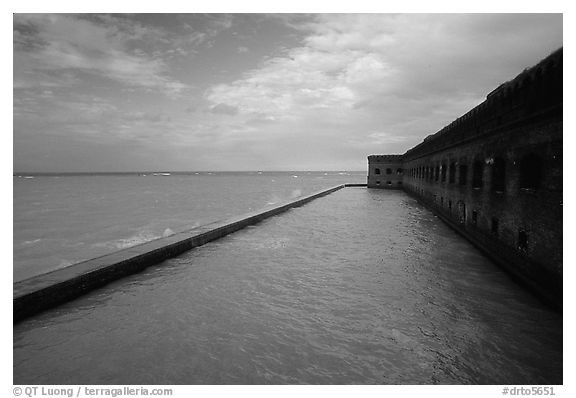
[
  {"x": 358, "y": 287},
  {"x": 60, "y": 220}
]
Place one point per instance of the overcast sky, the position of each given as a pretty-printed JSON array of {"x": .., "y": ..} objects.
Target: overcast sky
[{"x": 253, "y": 92}]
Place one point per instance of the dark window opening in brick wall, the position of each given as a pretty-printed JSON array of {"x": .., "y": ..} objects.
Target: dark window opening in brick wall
[
  {"x": 376, "y": 171},
  {"x": 494, "y": 228},
  {"x": 474, "y": 217},
  {"x": 388, "y": 171},
  {"x": 463, "y": 174},
  {"x": 530, "y": 171},
  {"x": 452, "y": 173},
  {"x": 399, "y": 171},
  {"x": 477, "y": 174},
  {"x": 522, "y": 240},
  {"x": 461, "y": 208},
  {"x": 437, "y": 174},
  {"x": 443, "y": 172},
  {"x": 499, "y": 175}
]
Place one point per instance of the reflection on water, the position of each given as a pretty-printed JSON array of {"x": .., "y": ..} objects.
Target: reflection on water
[{"x": 361, "y": 286}]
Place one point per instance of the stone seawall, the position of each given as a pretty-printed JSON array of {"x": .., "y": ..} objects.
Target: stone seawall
[
  {"x": 48, "y": 290},
  {"x": 495, "y": 174},
  {"x": 544, "y": 283}
]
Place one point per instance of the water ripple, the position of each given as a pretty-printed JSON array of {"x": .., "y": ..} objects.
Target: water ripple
[{"x": 360, "y": 286}]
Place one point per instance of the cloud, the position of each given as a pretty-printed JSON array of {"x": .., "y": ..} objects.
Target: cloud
[
  {"x": 201, "y": 29},
  {"x": 321, "y": 91},
  {"x": 224, "y": 109},
  {"x": 410, "y": 74},
  {"x": 60, "y": 45},
  {"x": 380, "y": 138}
]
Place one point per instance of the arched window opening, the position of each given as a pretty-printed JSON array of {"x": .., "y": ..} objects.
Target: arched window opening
[
  {"x": 499, "y": 175},
  {"x": 463, "y": 174},
  {"x": 477, "y": 174},
  {"x": 530, "y": 171},
  {"x": 443, "y": 172},
  {"x": 388, "y": 171},
  {"x": 399, "y": 171},
  {"x": 452, "y": 173},
  {"x": 376, "y": 170},
  {"x": 522, "y": 240},
  {"x": 461, "y": 208},
  {"x": 494, "y": 228},
  {"x": 437, "y": 173}
]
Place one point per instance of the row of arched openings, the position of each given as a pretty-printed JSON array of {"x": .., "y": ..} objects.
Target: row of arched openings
[
  {"x": 388, "y": 171},
  {"x": 530, "y": 168}
]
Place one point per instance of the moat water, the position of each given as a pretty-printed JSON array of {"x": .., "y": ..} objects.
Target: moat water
[{"x": 358, "y": 287}]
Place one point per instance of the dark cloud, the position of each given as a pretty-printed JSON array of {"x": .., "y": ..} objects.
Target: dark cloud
[{"x": 316, "y": 91}]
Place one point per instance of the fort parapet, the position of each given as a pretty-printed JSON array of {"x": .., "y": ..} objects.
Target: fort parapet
[
  {"x": 495, "y": 175},
  {"x": 385, "y": 171}
]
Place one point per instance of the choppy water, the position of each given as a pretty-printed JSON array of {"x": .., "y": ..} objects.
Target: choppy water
[
  {"x": 61, "y": 220},
  {"x": 360, "y": 286}
]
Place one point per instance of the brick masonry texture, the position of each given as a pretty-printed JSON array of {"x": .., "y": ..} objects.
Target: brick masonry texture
[{"x": 495, "y": 175}]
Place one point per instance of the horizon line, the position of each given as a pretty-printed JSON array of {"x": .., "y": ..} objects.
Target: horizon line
[{"x": 16, "y": 173}]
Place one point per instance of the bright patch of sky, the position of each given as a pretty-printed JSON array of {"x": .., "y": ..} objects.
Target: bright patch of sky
[{"x": 253, "y": 91}]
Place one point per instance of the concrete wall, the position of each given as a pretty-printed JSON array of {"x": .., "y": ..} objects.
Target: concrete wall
[{"x": 495, "y": 175}]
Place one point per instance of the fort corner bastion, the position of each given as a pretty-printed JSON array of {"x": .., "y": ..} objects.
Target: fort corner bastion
[{"x": 495, "y": 176}]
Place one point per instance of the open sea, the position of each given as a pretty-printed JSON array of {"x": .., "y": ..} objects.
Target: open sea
[{"x": 60, "y": 220}]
